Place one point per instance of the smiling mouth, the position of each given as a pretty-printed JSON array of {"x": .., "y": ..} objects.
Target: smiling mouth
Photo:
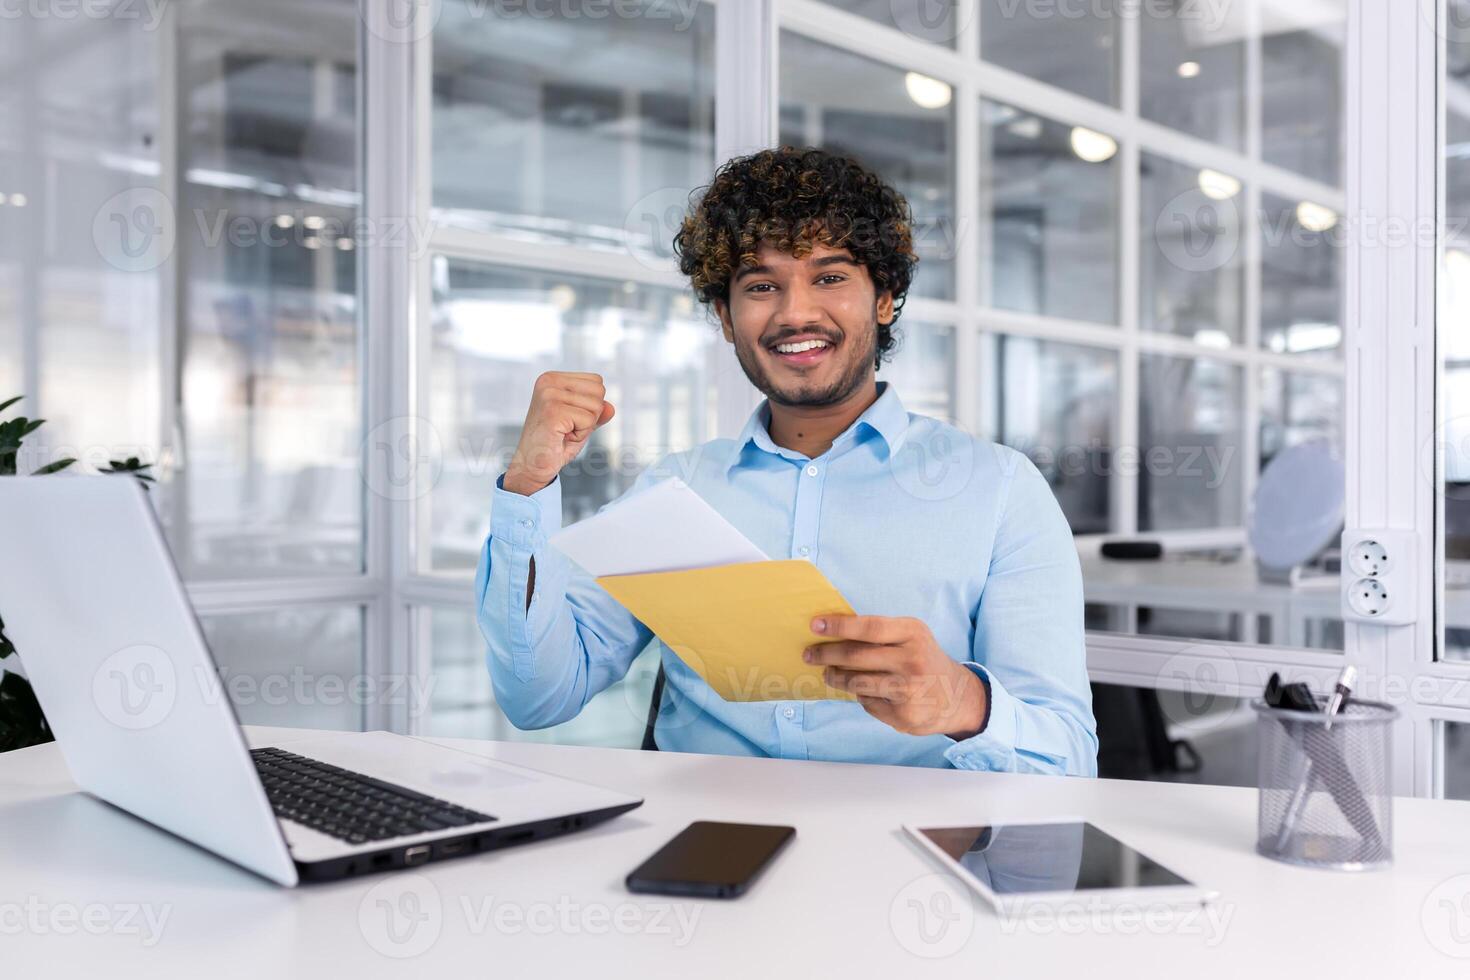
[{"x": 802, "y": 352}]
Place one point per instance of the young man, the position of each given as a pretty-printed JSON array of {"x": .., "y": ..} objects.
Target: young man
[{"x": 970, "y": 652}]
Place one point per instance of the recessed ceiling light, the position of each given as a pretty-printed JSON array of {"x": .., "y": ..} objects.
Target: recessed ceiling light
[
  {"x": 563, "y": 297},
  {"x": 345, "y": 244},
  {"x": 314, "y": 221},
  {"x": 19, "y": 200},
  {"x": 927, "y": 93},
  {"x": 1315, "y": 217},
  {"x": 1092, "y": 146},
  {"x": 285, "y": 221},
  {"x": 1217, "y": 186},
  {"x": 312, "y": 242},
  {"x": 1189, "y": 69}
]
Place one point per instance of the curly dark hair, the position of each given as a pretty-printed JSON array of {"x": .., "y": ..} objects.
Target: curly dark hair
[{"x": 791, "y": 199}]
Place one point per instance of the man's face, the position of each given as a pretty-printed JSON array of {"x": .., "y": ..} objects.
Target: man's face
[{"x": 805, "y": 330}]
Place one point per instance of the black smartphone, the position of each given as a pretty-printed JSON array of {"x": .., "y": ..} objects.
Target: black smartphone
[{"x": 712, "y": 860}]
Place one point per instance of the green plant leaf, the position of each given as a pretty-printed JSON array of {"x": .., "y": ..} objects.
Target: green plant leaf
[
  {"x": 10, "y": 401},
  {"x": 131, "y": 465},
  {"x": 55, "y": 467},
  {"x": 22, "y": 723}
]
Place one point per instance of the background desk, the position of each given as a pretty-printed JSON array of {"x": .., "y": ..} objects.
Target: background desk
[
  {"x": 843, "y": 901},
  {"x": 1288, "y": 613}
]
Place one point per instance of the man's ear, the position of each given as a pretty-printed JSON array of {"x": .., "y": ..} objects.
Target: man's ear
[
  {"x": 727, "y": 326},
  {"x": 885, "y": 307}
]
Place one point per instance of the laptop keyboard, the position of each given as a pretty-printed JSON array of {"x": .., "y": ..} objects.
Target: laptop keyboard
[{"x": 348, "y": 805}]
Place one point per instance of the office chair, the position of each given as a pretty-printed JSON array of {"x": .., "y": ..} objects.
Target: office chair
[{"x": 649, "y": 745}]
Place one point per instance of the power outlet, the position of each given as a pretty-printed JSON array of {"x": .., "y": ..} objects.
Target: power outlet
[
  {"x": 1369, "y": 598},
  {"x": 1379, "y": 575}
]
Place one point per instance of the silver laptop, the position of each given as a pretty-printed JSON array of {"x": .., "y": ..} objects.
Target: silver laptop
[{"x": 91, "y": 598}]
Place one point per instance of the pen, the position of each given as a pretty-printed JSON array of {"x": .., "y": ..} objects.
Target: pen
[
  {"x": 1345, "y": 682},
  {"x": 1340, "y": 692}
]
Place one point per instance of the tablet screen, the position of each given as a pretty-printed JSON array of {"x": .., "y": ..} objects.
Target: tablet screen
[{"x": 1027, "y": 858}]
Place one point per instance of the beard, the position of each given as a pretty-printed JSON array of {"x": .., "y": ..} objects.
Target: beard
[{"x": 799, "y": 393}]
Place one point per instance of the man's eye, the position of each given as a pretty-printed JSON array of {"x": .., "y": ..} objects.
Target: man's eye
[
  {"x": 833, "y": 276},
  {"x": 760, "y": 286}
]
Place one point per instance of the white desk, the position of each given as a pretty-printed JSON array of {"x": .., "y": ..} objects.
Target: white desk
[{"x": 827, "y": 908}]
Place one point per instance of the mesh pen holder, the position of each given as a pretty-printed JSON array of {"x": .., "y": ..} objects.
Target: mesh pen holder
[{"x": 1326, "y": 792}]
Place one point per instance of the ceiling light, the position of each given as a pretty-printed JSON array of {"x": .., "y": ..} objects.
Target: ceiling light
[
  {"x": 312, "y": 242},
  {"x": 18, "y": 200},
  {"x": 563, "y": 297},
  {"x": 1028, "y": 128},
  {"x": 285, "y": 221},
  {"x": 1304, "y": 337},
  {"x": 1315, "y": 217},
  {"x": 314, "y": 221},
  {"x": 345, "y": 244},
  {"x": 1218, "y": 186},
  {"x": 1092, "y": 146},
  {"x": 1189, "y": 69},
  {"x": 927, "y": 93},
  {"x": 1218, "y": 339}
]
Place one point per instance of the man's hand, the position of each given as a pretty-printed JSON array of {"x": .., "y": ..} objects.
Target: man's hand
[
  {"x": 900, "y": 675},
  {"x": 566, "y": 408}
]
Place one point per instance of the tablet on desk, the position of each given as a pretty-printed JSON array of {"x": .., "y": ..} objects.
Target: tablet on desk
[{"x": 1055, "y": 862}]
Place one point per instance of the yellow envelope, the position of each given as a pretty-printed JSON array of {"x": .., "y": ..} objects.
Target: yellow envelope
[{"x": 741, "y": 627}]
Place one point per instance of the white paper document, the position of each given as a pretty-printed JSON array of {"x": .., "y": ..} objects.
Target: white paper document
[{"x": 666, "y": 528}]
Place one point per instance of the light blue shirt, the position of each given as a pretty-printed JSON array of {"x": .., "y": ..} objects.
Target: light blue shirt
[{"x": 907, "y": 516}]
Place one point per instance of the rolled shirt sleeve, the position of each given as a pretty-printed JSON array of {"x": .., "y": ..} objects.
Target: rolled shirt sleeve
[
  {"x": 1030, "y": 648},
  {"x": 573, "y": 641}
]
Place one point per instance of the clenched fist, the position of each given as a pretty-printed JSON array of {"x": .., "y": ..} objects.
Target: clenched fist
[{"x": 566, "y": 408}]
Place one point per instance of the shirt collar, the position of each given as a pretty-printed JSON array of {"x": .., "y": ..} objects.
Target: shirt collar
[{"x": 886, "y": 416}]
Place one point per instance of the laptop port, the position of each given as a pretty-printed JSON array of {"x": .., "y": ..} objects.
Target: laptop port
[
  {"x": 382, "y": 860},
  {"x": 453, "y": 847},
  {"x": 417, "y": 854}
]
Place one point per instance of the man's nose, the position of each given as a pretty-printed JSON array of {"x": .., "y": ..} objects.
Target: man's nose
[{"x": 799, "y": 307}]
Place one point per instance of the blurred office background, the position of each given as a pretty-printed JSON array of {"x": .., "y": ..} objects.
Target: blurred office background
[{"x": 1131, "y": 270}]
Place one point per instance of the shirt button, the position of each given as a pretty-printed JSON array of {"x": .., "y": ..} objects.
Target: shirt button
[
  {"x": 804, "y": 550},
  {"x": 525, "y": 522},
  {"x": 789, "y": 712},
  {"x": 811, "y": 471}
]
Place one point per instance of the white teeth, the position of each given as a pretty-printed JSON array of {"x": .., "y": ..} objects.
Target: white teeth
[{"x": 805, "y": 345}]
